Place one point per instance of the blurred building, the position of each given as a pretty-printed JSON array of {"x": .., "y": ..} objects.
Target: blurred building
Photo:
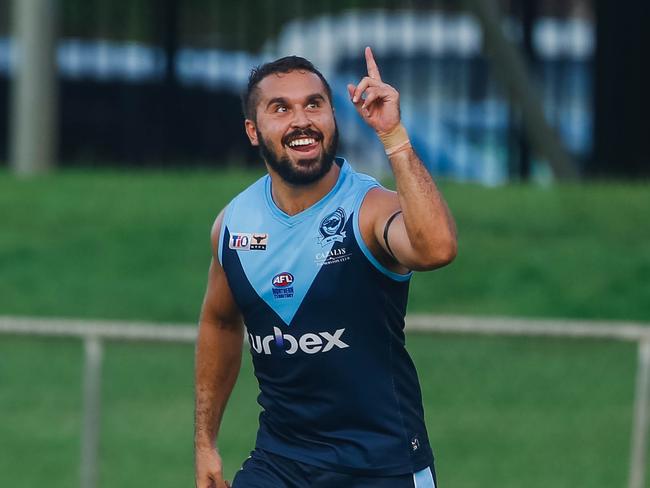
[{"x": 158, "y": 83}]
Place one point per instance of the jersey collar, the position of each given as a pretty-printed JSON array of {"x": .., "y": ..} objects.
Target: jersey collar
[{"x": 300, "y": 216}]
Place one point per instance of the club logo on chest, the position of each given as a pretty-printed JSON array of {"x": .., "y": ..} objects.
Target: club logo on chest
[{"x": 331, "y": 228}]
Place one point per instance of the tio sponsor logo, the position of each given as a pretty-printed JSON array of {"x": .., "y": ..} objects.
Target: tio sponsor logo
[
  {"x": 242, "y": 241},
  {"x": 308, "y": 343}
]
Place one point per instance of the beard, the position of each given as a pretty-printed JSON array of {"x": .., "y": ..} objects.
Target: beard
[{"x": 307, "y": 171}]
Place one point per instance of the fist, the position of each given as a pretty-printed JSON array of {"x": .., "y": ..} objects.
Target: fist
[{"x": 209, "y": 469}]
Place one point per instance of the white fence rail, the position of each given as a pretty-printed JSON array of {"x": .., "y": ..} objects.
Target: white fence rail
[{"x": 93, "y": 333}]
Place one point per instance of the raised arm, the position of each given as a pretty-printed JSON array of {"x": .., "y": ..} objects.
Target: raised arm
[
  {"x": 413, "y": 228},
  {"x": 218, "y": 359}
]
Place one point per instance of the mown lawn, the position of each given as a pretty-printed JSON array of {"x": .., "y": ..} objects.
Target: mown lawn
[
  {"x": 501, "y": 411},
  {"x": 136, "y": 245}
]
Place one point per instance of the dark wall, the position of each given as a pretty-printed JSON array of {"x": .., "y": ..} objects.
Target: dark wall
[
  {"x": 4, "y": 118},
  {"x": 622, "y": 89},
  {"x": 144, "y": 124}
]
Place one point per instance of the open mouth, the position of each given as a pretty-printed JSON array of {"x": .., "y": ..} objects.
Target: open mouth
[{"x": 302, "y": 142}]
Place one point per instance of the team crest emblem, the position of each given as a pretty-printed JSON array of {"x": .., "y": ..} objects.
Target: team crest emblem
[{"x": 331, "y": 228}]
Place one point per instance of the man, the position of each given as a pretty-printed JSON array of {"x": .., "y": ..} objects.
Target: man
[{"x": 315, "y": 259}]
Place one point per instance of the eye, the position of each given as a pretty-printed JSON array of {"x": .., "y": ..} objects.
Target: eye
[
  {"x": 313, "y": 104},
  {"x": 280, "y": 109}
]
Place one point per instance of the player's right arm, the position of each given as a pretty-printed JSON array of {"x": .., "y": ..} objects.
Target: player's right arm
[{"x": 218, "y": 359}]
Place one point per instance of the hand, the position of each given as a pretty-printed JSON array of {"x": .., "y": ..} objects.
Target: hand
[
  {"x": 380, "y": 108},
  {"x": 209, "y": 469}
]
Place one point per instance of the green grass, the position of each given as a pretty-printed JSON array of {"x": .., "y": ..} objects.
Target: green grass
[
  {"x": 136, "y": 245},
  {"x": 501, "y": 411},
  {"x": 108, "y": 244},
  {"x": 513, "y": 412}
]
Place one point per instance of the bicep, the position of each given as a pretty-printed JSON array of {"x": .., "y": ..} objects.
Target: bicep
[
  {"x": 410, "y": 251},
  {"x": 377, "y": 208},
  {"x": 219, "y": 306},
  {"x": 391, "y": 244},
  {"x": 390, "y": 231}
]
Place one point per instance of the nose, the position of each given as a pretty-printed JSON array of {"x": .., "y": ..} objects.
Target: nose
[{"x": 300, "y": 119}]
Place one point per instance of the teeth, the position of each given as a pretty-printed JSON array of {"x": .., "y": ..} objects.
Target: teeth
[{"x": 302, "y": 142}]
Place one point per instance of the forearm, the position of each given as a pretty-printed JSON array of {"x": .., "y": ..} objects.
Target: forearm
[
  {"x": 427, "y": 238},
  {"x": 218, "y": 359},
  {"x": 429, "y": 224}
]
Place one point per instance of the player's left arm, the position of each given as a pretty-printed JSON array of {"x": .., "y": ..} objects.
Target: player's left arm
[{"x": 412, "y": 228}]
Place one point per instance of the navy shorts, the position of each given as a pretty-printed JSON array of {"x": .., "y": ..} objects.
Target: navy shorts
[{"x": 264, "y": 469}]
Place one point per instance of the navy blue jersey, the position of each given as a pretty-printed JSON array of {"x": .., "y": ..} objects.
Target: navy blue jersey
[{"x": 325, "y": 321}]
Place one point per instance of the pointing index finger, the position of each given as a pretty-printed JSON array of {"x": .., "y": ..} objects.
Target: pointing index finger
[{"x": 373, "y": 70}]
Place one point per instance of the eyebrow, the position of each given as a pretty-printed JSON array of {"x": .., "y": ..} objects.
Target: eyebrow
[
  {"x": 278, "y": 100},
  {"x": 284, "y": 101},
  {"x": 315, "y": 96}
]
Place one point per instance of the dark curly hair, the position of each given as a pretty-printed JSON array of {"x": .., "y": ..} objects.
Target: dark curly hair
[{"x": 250, "y": 97}]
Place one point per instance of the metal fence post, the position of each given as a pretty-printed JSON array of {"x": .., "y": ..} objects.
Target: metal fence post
[
  {"x": 639, "y": 448},
  {"x": 34, "y": 119},
  {"x": 92, "y": 376}
]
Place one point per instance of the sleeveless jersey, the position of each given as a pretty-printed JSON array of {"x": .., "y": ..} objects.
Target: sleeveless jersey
[{"x": 325, "y": 322}]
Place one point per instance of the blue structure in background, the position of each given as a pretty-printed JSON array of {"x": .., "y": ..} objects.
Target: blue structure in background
[{"x": 458, "y": 118}]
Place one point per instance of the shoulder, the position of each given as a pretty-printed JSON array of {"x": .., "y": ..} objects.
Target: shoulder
[
  {"x": 247, "y": 199},
  {"x": 357, "y": 179},
  {"x": 374, "y": 200},
  {"x": 378, "y": 202},
  {"x": 243, "y": 200},
  {"x": 380, "y": 196},
  {"x": 253, "y": 192},
  {"x": 377, "y": 207},
  {"x": 359, "y": 186},
  {"x": 215, "y": 232}
]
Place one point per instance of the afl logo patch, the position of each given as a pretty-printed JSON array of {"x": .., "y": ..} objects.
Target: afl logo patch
[
  {"x": 331, "y": 228},
  {"x": 282, "y": 285},
  {"x": 282, "y": 280}
]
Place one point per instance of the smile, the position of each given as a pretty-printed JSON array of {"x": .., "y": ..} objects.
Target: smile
[
  {"x": 305, "y": 145},
  {"x": 302, "y": 142}
]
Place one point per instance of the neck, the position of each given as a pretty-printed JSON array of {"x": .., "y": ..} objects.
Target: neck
[{"x": 293, "y": 199}]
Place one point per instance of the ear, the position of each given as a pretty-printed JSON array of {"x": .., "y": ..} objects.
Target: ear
[{"x": 251, "y": 132}]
